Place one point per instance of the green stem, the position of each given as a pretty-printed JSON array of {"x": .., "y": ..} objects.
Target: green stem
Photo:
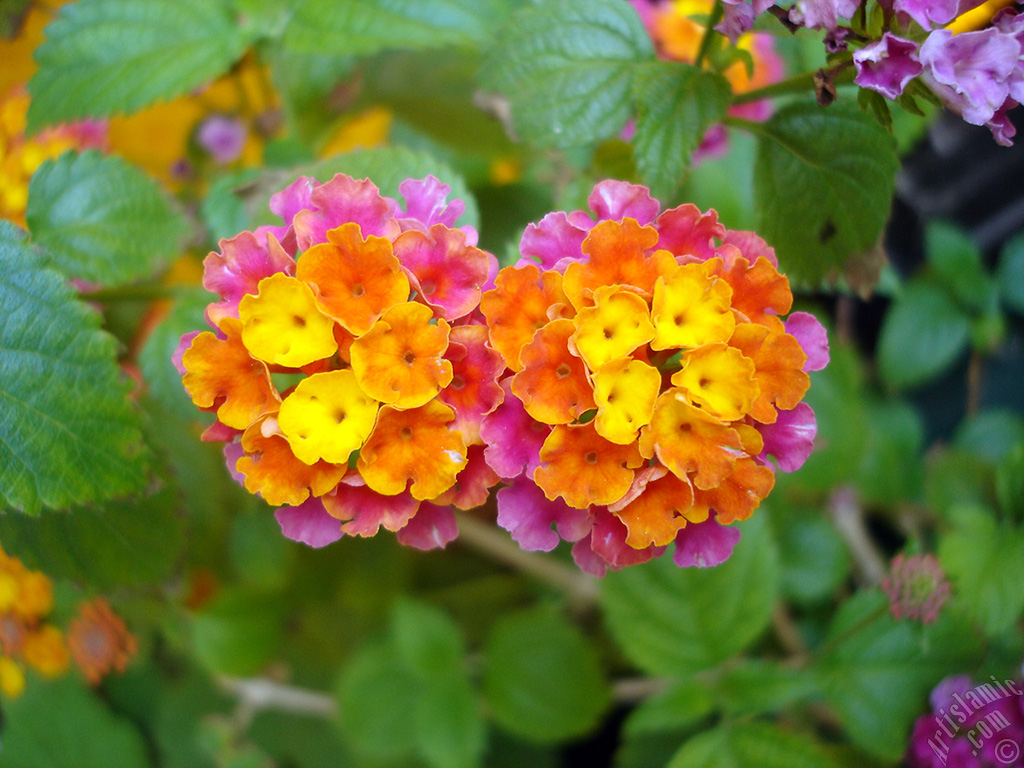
[
  {"x": 796, "y": 84},
  {"x": 137, "y": 293},
  {"x": 705, "y": 42}
]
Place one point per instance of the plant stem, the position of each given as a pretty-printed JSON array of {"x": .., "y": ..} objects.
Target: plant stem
[
  {"x": 705, "y": 42},
  {"x": 255, "y": 694},
  {"x": 798, "y": 83},
  {"x": 580, "y": 588},
  {"x": 848, "y": 518}
]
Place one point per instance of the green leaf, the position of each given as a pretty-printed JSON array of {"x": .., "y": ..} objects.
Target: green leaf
[
  {"x": 101, "y": 219},
  {"x": 1010, "y": 483},
  {"x": 61, "y": 724},
  {"x": 68, "y": 433},
  {"x": 823, "y": 182},
  {"x": 677, "y": 621},
  {"x": 376, "y": 694},
  {"x": 756, "y": 686},
  {"x": 123, "y": 543},
  {"x": 1011, "y": 274},
  {"x": 923, "y": 334},
  {"x": 955, "y": 478},
  {"x": 890, "y": 469},
  {"x": 542, "y": 678},
  {"x": 684, "y": 703},
  {"x": 223, "y": 210},
  {"x": 744, "y": 744},
  {"x": 815, "y": 562},
  {"x": 676, "y": 104},
  {"x": 567, "y": 69},
  {"x": 362, "y": 27},
  {"x": 259, "y": 553},
  {"x": 877, "y": 671},
  {"x": 239, "y": 631},
  {"x": 447, "y": 724},
  {"x": 990, "y": 434},
  {"x": 956, "y": 262},
  {"x": 107, "y": 57},
  {"x": 984, "y": 560}
]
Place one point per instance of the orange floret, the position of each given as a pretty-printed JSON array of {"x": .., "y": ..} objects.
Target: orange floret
[
  {"x": 625, "y": 391},
  {"x": 44, "y": 650},
  {"x": 758, "y": 290},
  {"x": 553, "y": 383},
  {"x": 326, "y": 417},
  {"x": 583, "y": 468},
  {"x": 99, "y": 641},
  {"x": 720, "y": 379},
  {"x": 618, "y": 256},
  {"x": 740, "y": 493},
  {"x": 400, "y": 360},
  {"x": 656, "y": 507},
  {"x": 221, "y": 373},
  {"x": 356, "y": 279},
  {"x": 691, "y": 307},
  {"x": 686, "y": 439},
  {"x": 617, "y": 324},
  {"x": 273, "y": 471},
  {"x": 779, "y": 360},
  {"x": 35, "y": 596},
  {"x": 413, "y": 446},
  {"x": 518, "y": 306},
  {"x": 282, "y": 324}
]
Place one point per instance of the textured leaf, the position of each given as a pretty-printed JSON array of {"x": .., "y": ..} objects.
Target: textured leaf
[
  {"x": 568, "y": 68},
  {"x": 101, "y": 219},
  {"x": 745, "y": 744},
  {"x": 984, "y": 560},
  {"x": 891, "y": 468},
  {"x": 61, "y": 724},
  {"x": 877, "y": 671},
  {"x": 922, "y": 335},
  {"x": 676, "y": 104},
  {"x": 68, "y": 433},
  {"x": 361, "y": 27},
  {"x": 957, "y": 264},
  {"x": 756, "y": 686},
  {"x": 677, "y": 621},
  {"x": 823, "y": 182},
  {"x": 107, "y": 57},
  {"x": 542, "y": 678},
  {"x": 123, "y": 543},
  {"x": 682, "y": 704}
]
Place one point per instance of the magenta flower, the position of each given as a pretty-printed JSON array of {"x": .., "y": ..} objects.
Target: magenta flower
[
  {"x": 822, "y": 14},
  {"x": 887, "y": 65},
  {"x": 223, "y": 138},
  {"x": 934, "y": 13}
]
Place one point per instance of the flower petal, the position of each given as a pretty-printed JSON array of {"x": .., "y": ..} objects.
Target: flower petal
[
  {"x": 583, "y": 468},
  {"x": 309, "y": 523},
  {"x": 282, "y": 324},
  {"x": 553, "y": 383}
]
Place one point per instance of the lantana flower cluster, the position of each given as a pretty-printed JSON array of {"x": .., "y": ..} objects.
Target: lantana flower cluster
[
  {"x": 350, "y": 381},
  {"x": 629, "y": 380},
  {"x": 969, "y": 53},
  {"x": 27, "y": 637},
  {"x": 650, "y": 379}
]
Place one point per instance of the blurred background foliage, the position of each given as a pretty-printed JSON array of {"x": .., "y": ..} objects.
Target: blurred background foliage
[{"x": 144, "y": 130}]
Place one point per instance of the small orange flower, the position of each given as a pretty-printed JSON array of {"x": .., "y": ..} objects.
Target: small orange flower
[
  {"x": 583, "y": 468},
  {"x": 736, "y": 497},
  {"x": 656, "y": 507},
  {"x": 686, "y": 439},
  {"x": 779, "y": 360},
  {"x": 553, "y": 382},
  {"x": 356, "y": 279},
  {"x": 400, "y": 361},
  {"x": 413, "y": 446},
  {"x": 618, "y": 256},
  {"x": 758, "y": 290},
  {"x": 99, "y": 641},
  {"x": 518, "y": 306},
  {"x": 273, "y": 471},
  {"x": 221, "y": 374},
  {"x": 44, "y": 650}
]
